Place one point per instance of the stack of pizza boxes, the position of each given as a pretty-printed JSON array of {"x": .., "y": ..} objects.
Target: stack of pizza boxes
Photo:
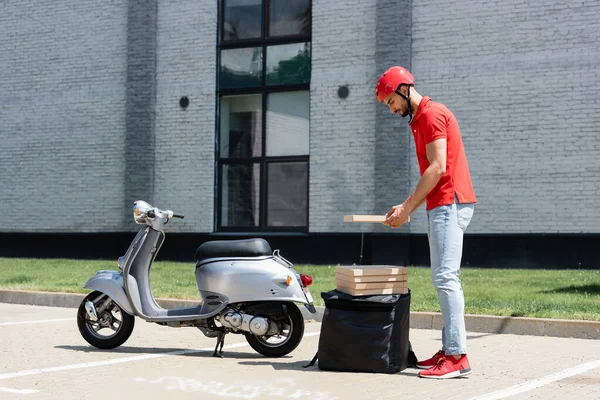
[{"x": 366, "y": 280}]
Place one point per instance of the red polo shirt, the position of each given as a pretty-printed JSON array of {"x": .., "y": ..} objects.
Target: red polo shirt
[{"x": 434, "y": 121}]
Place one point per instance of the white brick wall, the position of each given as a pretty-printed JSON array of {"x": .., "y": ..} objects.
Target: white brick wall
[
  {"x": 347, "y": 174},
  {"x": 185, "y": 139},
  {"x": 522, "y": 79},
  {"x": 341, "y": 130},
  {"x": 62, "y": 113}
]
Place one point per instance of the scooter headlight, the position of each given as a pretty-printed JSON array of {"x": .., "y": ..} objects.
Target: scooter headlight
[{"x": 140, "y": 211}]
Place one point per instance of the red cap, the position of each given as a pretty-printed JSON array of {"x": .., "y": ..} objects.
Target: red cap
[{"x": 390, "y": 80}]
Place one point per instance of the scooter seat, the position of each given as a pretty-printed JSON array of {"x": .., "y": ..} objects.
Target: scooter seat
[{"x": 233, "y": 248}]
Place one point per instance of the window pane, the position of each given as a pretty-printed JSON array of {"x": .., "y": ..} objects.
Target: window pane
[
  {"x": 287, "y": 199},
  {"x": 241, "y": 68},
  {"x": 241, "y": 126},
  {"x": 289, "y": 17},
  {"x": 288, "y": 123},
  {"x": 242, "y": 19},
  {"x": 240, "y": 195},
  {"x": 289, "y": 63}
]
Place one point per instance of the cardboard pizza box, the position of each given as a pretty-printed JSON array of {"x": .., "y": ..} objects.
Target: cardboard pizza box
[
  {"x": 372, "y": 278},
  {"x": 367, "y": 292},
  {"x": 371, "y": 285},
  {"x": 365, "y": 270}
]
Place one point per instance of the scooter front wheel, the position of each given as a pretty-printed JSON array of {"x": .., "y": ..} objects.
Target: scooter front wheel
[
  {"x": 111, "y": 327},
  {"x": 292, "y": 331}
]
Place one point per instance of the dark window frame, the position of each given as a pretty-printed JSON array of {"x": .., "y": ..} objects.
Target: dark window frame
[
  {"x": 265, "y": 38},
  {"x": 263, "y": 161}
]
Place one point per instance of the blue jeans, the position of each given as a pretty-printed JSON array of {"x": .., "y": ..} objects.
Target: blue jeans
[{"x": 446, "y": 228}]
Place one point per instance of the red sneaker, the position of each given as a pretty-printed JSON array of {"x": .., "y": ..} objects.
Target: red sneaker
[
  {"x": 448, "y": 367},
  {"x": 430, "y": 362}
]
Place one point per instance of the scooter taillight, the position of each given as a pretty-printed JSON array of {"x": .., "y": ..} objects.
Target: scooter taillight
[{"x": 306, "y": 280}]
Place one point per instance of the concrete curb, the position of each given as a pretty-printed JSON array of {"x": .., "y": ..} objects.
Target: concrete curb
[{"x": 418, "y": 320}]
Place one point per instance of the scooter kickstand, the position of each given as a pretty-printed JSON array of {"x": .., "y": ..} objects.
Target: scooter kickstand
[{"x": 220, "y": 341}]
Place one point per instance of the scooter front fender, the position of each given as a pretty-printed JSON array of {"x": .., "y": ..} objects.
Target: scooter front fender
[{"x": 110, "y": 283}]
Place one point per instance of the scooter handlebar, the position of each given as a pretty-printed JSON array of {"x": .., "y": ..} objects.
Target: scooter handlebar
[{"x": 170, "y": 214}]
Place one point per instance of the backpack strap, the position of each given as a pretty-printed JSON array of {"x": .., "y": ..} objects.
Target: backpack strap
[
  {"x": 412, "y": 358},
  {"x": 312, "y": 362}
]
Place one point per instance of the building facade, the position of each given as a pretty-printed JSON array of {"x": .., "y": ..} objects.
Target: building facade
[{"x": 258, "y": 118}]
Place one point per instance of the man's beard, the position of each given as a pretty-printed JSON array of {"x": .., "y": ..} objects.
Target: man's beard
[{"x": 402, "y": 113}]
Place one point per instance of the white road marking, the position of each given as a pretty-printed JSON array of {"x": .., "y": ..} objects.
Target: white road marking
[
  {"x": 536, "y": 383},
  {"x": 122, "y": 360},
  {"x": 41, "y": 321},
  {"x": 16, "y": 391},
  {"x": 238, "y": 388}
]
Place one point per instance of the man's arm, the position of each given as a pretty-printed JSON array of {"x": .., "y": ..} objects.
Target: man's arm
[
  {"x": 420, "y": 204},
  {"x": 436, "y": 154}
]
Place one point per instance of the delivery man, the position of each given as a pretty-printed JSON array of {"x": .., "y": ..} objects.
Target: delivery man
[{"x": 445, "y": 186}]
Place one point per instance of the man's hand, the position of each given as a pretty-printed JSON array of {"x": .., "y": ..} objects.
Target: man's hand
[{"x": 397, "y": 216}]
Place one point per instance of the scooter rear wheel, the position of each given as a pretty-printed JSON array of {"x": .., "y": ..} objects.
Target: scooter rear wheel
[
  {"x": 116, "y": 323},
  {"x": 294, "y": 327}
]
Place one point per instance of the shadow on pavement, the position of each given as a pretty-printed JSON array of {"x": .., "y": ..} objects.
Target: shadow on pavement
[
  {"x": 162, "y": 350},
  {"x": 299, "y": 366}
]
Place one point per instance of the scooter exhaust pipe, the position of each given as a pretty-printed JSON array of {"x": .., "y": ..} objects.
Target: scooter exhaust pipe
[{"x": 91, "y": 311}]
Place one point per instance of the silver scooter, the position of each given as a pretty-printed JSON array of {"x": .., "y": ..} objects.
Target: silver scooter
[{"x": 244, "y": 288}]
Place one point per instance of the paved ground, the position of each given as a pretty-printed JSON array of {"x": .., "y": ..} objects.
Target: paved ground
[{"x": 42, "y": 356}]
